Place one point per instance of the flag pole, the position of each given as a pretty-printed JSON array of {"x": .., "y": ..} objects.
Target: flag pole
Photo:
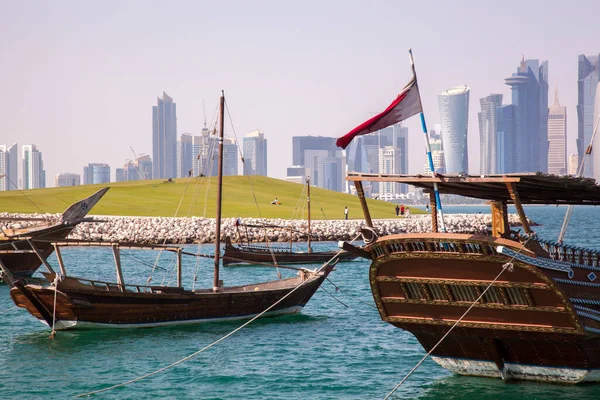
[{"x": 438, "y": 202}]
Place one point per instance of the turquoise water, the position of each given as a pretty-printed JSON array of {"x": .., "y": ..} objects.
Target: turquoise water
[{"x": 330, "y": 351}]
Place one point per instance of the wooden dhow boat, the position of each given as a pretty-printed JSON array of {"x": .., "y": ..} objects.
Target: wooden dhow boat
[
  {"x": 540, "y": 317},
  {"x": 269, "y": 254},
  {"x": 21, "y": 258},
  {"x": 64, "y": 302}
]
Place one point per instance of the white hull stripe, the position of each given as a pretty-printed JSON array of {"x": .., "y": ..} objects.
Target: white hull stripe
[
  {"x": 68, "y": 324},
  {"x": 471, "y": 367}
]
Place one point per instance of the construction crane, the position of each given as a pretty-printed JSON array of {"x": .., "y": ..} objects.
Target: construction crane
[{"x": 136, "y": 164}]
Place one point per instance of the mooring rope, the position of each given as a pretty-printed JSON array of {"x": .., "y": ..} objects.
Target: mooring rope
[
  {"x": 55, "y": 283},
  {"x": 508, "y": 265},
  {"x": 335, "y": 298},
  {"x": 7, "y": 310},
  {"x": 193, "y": 354},
  {"x": 350, "y": 295}
]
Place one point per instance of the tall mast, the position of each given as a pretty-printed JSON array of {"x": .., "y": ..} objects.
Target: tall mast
[
  {"x": 429, "y": 157},
  {"x": 219, "y": 195},
  {"x": 308, "y": 205}
]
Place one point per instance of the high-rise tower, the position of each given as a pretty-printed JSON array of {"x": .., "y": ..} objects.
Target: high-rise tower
[
  {"x": 454, "y": 113},
  {"x": 255, "y": 153},
  {"x": 9, "y": 174},
  {"x": 557, "y": 138},
  {"x": 164, "y": 138},
  {"x": 529, "y": 87},
  {"x": 34, "y": 176},
  {"x": 488, "y": 134},
  {"x": 587, "y": 81}
]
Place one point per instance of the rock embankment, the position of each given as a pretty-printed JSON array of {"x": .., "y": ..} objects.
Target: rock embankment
[{"x": 202, "y": 230}]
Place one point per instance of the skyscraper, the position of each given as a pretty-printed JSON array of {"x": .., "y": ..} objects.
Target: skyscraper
[
  {"x": 184, "y": 155},
  {"x": 9, "y": 174},
  {"x": 164, "y": 138},
  {"x": 34, "y": 175},
  {"x": 67, "y": 179},
  {"x": 573, "y": 164},
  {"x": 587, "y": 80},
  {"x": 390, "y": 162},
  {"x": 255, "y": 153},
  {"x": 488, "y": 133},
  {"x": 454, "y": 113},
  {"x": 529, "y": 86},
  {"x": 557, "y": 138},
  {"x": 437, "y": 151},
  {"x": 230, "y": 157},
  {"x": 302, "y": 143},
  {"x": 596, "y": 154},
  {"x": 139, "y": 169},
  {"x": 506, "y": 141},
  {"x": 95, "y": 173}
]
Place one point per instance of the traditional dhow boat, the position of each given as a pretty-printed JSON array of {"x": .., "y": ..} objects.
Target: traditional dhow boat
[
  {"x": 535, "y": 303},
  {"x": 65, "y": 302},
  {"x": 21, "y": 258},
  {"x": 269, "y": 254}
]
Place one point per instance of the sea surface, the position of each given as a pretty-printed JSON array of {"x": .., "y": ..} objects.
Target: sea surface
[{"x": 337, "y": 348}]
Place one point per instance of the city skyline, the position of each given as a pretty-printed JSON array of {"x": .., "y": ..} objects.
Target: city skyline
[{"x": 60, "y": 82}]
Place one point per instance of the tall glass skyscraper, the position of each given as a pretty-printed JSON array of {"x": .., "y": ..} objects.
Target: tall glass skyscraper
[
  {"x": 34, "y": 176},
  {"x": 184, "y": 155},
  {"x": 454, "y": 114},
  {"x": 9, "y": 173},
  {"x": 557, "y": 138},
  {"x": 529, "y": 87},
  {"x": 95, "y": 173},
  {"x": 255, "y": 153},
  {"x": 587, "y": 80},
  {"x": 164, "y": 138},
  {"x": 596, "y": 154},
  {"x": 488, "y": 133}
]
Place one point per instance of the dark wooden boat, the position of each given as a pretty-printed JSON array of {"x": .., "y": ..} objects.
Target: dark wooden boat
[
  {"x": 540, "y": 317},
  {"x": 269, "y": 254},
  {"x": 23, "y": 259},
  {"x": 66, "y": 302},
  {"x": 254, "y": 254}
]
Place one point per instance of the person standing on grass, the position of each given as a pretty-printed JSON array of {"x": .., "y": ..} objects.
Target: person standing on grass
[
  {"x": 402, "y": 210},
  {"x": 407, "y": 212},
  {"x": 346, "y": 212}
]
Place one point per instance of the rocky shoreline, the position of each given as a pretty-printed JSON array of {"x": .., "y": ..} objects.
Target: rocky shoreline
[{"x": 147, "y": 230}]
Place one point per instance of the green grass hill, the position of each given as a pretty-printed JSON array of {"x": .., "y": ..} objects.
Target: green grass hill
[{"x": 160, "y": 198}]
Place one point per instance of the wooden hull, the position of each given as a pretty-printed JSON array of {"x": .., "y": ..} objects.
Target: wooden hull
[
  {"x": 83, "y": 305},
  {"x": 537, "y": 322},
  {"x": 23, "y": 262},
  {"x": 255, "y": 255}
]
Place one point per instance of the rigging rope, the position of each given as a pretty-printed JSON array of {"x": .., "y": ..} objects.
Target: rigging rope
[
  {"x": 23, "y": 193},
  {"x": 7, "y": 310},
  {"x": 588, "y": 152},
  {"x": 165, "y": 240},
  {"x": 193, "y": 354},
  {"x": 251, "y": 188},
  {"x": 55, "y": 283},
  {"x": 508, "y": 265},
  {"x": 350, "y": 295}
]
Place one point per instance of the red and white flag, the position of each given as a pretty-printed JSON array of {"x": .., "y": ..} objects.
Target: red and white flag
[{"x": 407, "y": 104}]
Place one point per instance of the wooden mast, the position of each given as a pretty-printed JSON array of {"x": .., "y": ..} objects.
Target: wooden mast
[
  {"x": 219, "y": 195},
  {"x": 308, "y": 202}
]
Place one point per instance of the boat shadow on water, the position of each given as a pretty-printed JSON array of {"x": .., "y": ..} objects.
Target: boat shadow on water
[
  {"x": 469, "y": 387},
  {"x": 84, "y": 340}
]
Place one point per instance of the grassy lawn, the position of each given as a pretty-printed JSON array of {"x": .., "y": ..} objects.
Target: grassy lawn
[{"x": 159, "y": 198}]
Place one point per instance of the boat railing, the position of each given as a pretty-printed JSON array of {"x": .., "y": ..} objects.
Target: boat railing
[
  {"x": 115, "y": 287},
  {"x": 457, "y": 245},
  {"x": 567, "y": 253}
]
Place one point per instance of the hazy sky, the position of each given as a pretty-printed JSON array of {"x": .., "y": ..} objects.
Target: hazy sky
[{"x": 79, "y": 78}]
